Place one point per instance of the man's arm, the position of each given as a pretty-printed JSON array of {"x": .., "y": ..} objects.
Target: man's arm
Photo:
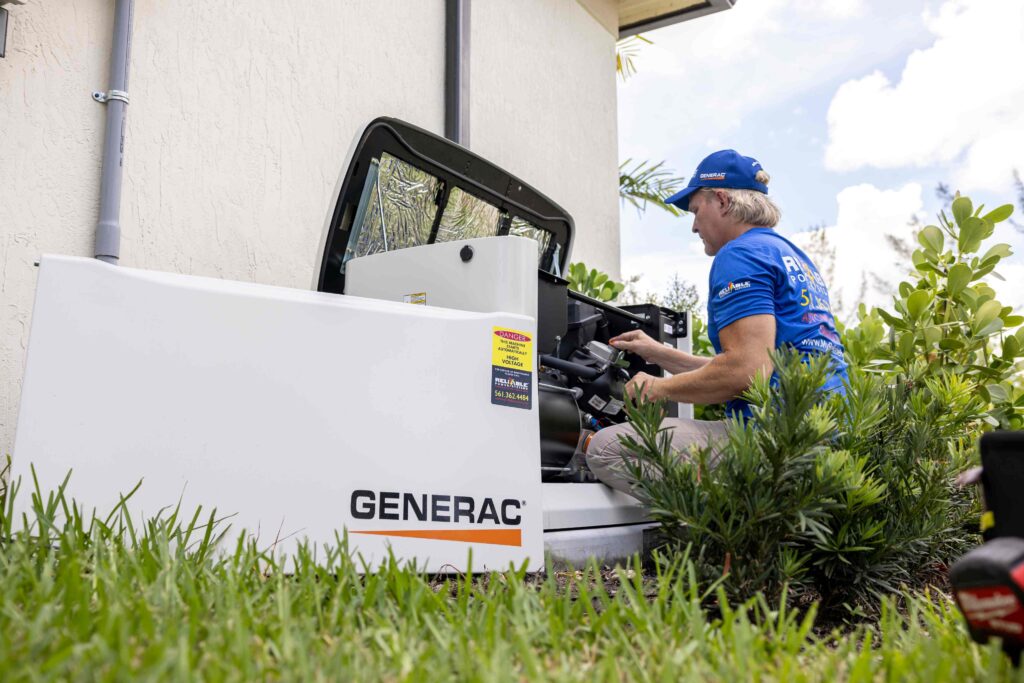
[
  {"x": 666, "y": 357},
  {"x": 746, "y": 344}
]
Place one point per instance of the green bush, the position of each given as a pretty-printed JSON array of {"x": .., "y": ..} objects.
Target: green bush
[
  {"x": 947, "y": 320},
  {"x": 847, "y": 498},
  {"x": 593, "y": 283}
]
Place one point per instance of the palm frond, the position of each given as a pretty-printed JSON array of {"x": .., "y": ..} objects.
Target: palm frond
[
  {"x": 646, "y": 182},
  {"x": 625, "y": 50}
]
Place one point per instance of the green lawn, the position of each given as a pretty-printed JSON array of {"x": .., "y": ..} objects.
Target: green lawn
[{"x": 106, "y": 600}]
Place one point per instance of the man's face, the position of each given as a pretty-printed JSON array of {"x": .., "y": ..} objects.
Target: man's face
[{"x": 709, "y": 219}]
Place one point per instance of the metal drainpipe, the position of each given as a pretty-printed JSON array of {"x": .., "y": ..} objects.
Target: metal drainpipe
[
  {"x": 108, "y": 229},
  {"x": 456, "y": 72}
]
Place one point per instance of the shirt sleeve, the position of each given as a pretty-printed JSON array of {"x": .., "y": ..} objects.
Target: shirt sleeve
[{"x": 742, "y": 284}]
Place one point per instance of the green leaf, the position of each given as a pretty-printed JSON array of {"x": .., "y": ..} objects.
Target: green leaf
[
  {"x": 906, "y": 289},
  {"x": 932, "y": 335},
  {"x": 892, "y": 320},
  {"x": 1013, "y": 320},
  {"x": 918, "y": 302},
  {"x": 972, "y": 232},
  {"x": 951, "y": 344},
  {"x": 997, "y": 393},
  {"x": 962, "y": 209},
  {"x": 959, "y": 277},
  {"x": 931, "y": 238},
  {"x": 905, "y": 346},
  {"x": 986, "y": 320},
  {"x": 1011, "y": 347},
  {"x": 999, "y": 214},
  {"x": 998, "y": 251}
]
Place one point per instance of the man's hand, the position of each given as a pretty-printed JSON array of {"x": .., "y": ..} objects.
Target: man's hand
[
  {"x": 636, "y": 341},
  {"x": 643, "y": 385}
]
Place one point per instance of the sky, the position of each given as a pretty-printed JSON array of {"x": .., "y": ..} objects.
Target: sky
[{"x": 857, "y": 108}]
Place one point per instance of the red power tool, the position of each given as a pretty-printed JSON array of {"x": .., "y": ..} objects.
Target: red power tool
[{"x": 988, "y": 582}]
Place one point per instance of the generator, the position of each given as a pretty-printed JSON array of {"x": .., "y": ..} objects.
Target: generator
[
  {"x": 425, "y": 401},
  {"x": 406, "y": 188}
]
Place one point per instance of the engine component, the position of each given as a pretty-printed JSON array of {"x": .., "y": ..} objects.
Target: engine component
[{"x": 560, "y": 428}]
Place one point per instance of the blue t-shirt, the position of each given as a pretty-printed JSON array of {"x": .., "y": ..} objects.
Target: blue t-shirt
[{"x": 762, "y": 272}]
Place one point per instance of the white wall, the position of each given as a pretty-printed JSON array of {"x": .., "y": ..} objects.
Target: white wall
[
  {"x": 241, "y": 115},
  {"x": 543, "y": 106}
]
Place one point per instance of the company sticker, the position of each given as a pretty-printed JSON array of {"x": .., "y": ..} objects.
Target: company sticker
[
  {"x": 418, "y": 298},
  {"x": 511, "y": 368}
]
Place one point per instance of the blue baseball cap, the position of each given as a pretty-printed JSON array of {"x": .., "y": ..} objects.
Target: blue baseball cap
[{"x": 726, "y": 169}]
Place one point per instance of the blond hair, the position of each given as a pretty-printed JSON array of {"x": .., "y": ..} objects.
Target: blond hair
[{"x": 751, "y": 206}]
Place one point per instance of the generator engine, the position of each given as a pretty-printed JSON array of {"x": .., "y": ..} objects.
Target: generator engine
[{"x": 582, "y": 380}]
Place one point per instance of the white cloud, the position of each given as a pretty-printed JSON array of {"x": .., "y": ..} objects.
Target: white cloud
[
  {"x": 839, "y": 9},
  {"x": 959, "y": 101},
  {"x": 863, "y": 255},
  {"x": 706, "y": 78},
  {"x": 866, "y": 215},
  {"x": 656, "y": 269}
]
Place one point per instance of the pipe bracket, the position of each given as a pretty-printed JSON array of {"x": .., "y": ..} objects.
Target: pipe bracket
[{"x": 104, "y": 97}]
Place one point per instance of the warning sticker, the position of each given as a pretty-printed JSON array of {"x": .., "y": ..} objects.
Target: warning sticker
[
  {"x": 596, "y": 402},
  {"x": 511, "y": 368},
  {"x": 511, "y": 349},
  {"x": 419, "y": 298}
]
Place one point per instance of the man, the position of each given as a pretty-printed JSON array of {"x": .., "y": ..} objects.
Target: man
[{"x": 765, "y": 293}]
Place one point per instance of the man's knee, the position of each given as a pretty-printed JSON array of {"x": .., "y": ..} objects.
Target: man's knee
[{"x": 605, "y": 456}]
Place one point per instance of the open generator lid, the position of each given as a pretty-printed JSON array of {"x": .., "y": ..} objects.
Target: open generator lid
[{"x": 407, "y": 187}]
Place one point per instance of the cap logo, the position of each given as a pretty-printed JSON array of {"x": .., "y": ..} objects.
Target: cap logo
[{"x": 714, "y": 175}]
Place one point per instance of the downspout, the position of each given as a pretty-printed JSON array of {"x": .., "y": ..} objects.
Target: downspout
[
  {"x": 456, "y": 71},
  {"x": 108, "y": 229}
]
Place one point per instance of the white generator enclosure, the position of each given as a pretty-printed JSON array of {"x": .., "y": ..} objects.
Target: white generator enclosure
[
  {"x": 427, "y": 401},
  {"x": 299, "y": 414}
]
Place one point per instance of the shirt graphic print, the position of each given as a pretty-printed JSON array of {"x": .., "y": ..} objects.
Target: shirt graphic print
[{"x": 761, "y": 272}]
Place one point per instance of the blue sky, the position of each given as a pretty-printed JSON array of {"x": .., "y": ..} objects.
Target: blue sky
[{"x": 856, "y": 108}]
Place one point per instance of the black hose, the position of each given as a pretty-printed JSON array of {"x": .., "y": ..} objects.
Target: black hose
[{"x": 574, "y": 369}]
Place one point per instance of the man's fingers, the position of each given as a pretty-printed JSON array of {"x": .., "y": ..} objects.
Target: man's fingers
[{"x": 630, "y": 336}]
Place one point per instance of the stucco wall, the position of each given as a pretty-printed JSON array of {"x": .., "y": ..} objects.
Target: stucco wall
[
  {"x": 241, "y": 115},
  {"x": 543, "y": 106}
]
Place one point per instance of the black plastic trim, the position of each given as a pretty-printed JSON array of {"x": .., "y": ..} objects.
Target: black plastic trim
[{"x": 453, "y": 165}]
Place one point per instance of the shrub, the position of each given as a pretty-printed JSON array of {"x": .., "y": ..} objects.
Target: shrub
[
  {"x": 848, "y": 497},
  {"x": 947, "y": 320},
  {"x": 593, "y": 283}
]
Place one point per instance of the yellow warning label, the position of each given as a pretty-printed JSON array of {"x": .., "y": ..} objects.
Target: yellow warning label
[
  {"x": 511, "y": 349},
  {"x": 419, "y": 298},
  {"x": 988, "y": 520}
]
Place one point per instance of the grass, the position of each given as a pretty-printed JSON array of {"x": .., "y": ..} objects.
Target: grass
[{"x": 109, "y": 599}]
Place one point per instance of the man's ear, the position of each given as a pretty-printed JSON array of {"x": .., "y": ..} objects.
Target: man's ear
[{"x": 722, "y": 197}]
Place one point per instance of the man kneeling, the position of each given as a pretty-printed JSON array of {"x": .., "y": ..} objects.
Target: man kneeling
[{"x": 764, "y": 293}]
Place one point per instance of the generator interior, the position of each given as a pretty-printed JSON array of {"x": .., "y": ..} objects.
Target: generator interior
[{"x": 437, "y": 191}]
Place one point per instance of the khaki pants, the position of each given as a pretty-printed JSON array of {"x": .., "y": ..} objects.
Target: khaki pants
[{"x": 605, "y": 452}]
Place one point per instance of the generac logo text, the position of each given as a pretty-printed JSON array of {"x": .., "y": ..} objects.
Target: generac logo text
[{"x": 434, "y": 507}]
